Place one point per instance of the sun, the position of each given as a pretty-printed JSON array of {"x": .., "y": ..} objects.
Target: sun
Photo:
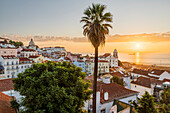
[{"x": 138, "y": 45}]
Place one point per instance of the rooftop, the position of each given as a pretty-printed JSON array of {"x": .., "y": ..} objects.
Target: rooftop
[
  {"x": 146, "y": 82},
  {"x": 5, "y": 106},
  {"x": 114, "y": 90},
  {"x": 6, "y": 85}
]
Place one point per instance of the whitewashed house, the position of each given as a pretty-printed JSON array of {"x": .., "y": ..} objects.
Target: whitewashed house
[
  {"x": 159, "y": 74},
  {"x": 24, "y": 63},
  {"x": 112, "y": 59},
  {"x": 139, "y": 72},
  {"x": 143, "y": 84},
  {"x": 103, "y": 67},
  {"x": 106, "y": 93},
  {"x": 10, "y": 64},
  {"x": 28, "y": 52}
]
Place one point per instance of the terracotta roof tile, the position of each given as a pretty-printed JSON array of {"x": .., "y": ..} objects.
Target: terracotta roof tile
[
  {"x": 33, "y": 56},
  {"x": 28, "y": 50},
  {"x": 146, "y": 82},
  {"x": 6, "y": 85},
  {"x": 114, "y": 90},
  {"x": 117, "y": 74},
  {"x": 166, "y": 80},
  {"x": 5, "y": 106},
  {"x": 156, "y": 72},
  {"x": 140, "y": 71},
  {"x": 106, "y": 55}
]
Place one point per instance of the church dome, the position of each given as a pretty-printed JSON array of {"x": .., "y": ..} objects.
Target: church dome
[{"x": 31, "y": 43}]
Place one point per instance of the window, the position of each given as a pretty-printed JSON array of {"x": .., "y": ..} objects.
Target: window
[
  {"x": 103, "y": 111},
  {"x": 4, "y": 51},
  {"x": 129, "y": 101}
]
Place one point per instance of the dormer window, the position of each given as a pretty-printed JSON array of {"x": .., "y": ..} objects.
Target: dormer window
[{"x": 106, "y": 96}]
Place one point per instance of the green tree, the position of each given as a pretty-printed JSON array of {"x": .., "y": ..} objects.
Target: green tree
[
  {"x": 146, "y": 104},
  {"x": 95, "y": 28},
  {"x": 165, "y": 101},
  {"x": 119, "y": 63},
  {"x": 52, "y": 88},
  {"x": 15, "y": 105},
  {"x": 5, "y": 41},
  {"x": 117, "y": 80}
]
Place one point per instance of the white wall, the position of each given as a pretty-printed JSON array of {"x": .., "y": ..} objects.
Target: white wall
[
  {"x": 141, "y": 89},
  {"x": 14, "y": 93},
  {"x": 164, "y": 75}
]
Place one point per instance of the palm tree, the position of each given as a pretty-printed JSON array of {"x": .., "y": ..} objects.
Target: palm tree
[{"x": 95, "y": 28}]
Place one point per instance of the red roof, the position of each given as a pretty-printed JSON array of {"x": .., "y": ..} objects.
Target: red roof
[
  {"x": 6, "y": 85},
  {"x": 114, "y": 90},
  {"x": 102, "y": 61},
  {"x": 118, "y": 74},
  {"x": 146, "y": 82},
  {"x": 157, "y": 72},
  {"x": 28, "y": 50},
  {"x": 24, "y": 59},
  {"x": 140, "y": 71},
  {"x": 107, "y": 54},
  {"x": 166, "y": 80},
  {"x": 5, "y": 106},
  {"x": 33, "y": 56}
]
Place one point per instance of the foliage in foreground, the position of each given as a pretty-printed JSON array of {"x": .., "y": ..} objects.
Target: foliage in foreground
[
  {"x": 52, "y": 88},
  {"x": 165, "y": 101},
  {"x": 146, "y": 104}
]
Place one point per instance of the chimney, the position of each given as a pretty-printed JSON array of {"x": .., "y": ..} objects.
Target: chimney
[{"x": 106, "y": 79}]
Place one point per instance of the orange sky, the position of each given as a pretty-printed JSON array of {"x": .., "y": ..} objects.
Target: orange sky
[{"x": 127, "y": 47}]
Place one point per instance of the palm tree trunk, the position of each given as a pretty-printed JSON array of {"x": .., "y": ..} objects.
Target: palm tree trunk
[{"x": 95, "y": 79}]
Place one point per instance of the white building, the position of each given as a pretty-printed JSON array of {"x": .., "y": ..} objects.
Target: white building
[
  {"x": 143, "y": 84},
  {"x": 28, "y": 52},
  {"x": 13, "y": 65},
  {"x": 159, "y": 74},
  {"x": 103, "y": 67},
  {"x": 10, "y": 64},
  {"x": 24, "y": 63},
  {"x": 80, "y": 63},
  {"x": 112, "y": 59},
  {"x": 139, "y": 72},
  {"x": 106, "y": 93}
]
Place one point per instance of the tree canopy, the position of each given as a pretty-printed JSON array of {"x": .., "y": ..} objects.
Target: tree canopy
[
  {"x": 117, "y": 80},
  {"x": 165, "y": 101},
  {"x": 97, "y": 24},
  {"x": 16, "y": 43},
  {"x": 52, "y": 88},
  {"x": 146, "y": 104}
]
